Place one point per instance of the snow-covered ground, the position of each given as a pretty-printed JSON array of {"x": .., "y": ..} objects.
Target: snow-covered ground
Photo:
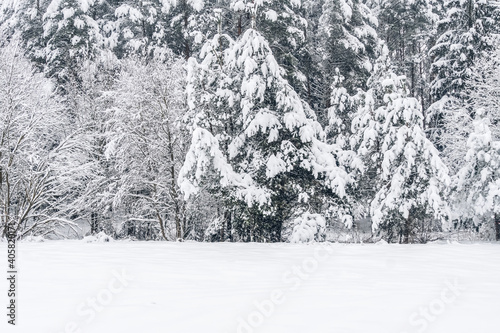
[{"x": 72, "y": 286}]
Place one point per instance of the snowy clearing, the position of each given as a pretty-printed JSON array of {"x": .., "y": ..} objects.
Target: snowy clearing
[{"x": 72, "y": 286}]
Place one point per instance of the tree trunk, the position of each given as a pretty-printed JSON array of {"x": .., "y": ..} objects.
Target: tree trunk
[
  {"x": 226, "y": 226},
  {"x": 406, "y": 230},
  {"x": 413, "y": 74},
  {"x": 162, "y": 227},
  {"x": 497, "y": 226},
  {"x": 187, "y": 51},
  {"x": 309, "y": 94},
  {"x": 94, "y": 223},
  {"x": 222, "y": 233},
  {"x": 239, "y": 26},
  {"x": 470, "y": 13},
  {"x": 184, "y": 221}
]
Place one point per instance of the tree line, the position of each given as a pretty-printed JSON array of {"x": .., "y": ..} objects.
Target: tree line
[{"x": 250, "y": 120}]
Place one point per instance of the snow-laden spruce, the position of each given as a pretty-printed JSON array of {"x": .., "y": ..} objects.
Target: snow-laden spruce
[
  {"x": 262, "y": 141},
  {"x": 341, "y": 111},
  {"x": 71, "y": 35},
  {"x": 347, "y": 31},
  {"x": 156, "y": 28},
  {"x": 352, "y": 124},
  {"x": 477, "y": 184},
  {"x": 413, "y": 180},
  {"x": 464, "y": 33}
]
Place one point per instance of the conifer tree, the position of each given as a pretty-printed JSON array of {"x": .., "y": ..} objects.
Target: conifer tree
[
  {"x": 413, "y": 181},
  {"x": 71, "y": 35},
  {"x": 477, "y": 184},
  {"x": 273, "y": 161},
  {"x": 347, "y": 31},
  {"x": 407, "y": 29},
  {"x": 465, "y": 33}
]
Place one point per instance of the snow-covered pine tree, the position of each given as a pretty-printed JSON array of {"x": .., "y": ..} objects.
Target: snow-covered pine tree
[
  {"x": 465, "y": 33},
  {"x": 134, "y": 27},
  {"x": 347, "y": 31},
  {"x": 152, "y": 29},
  {"x": 208, "y": 108},
  {"x": 186, "y": 24},
  {"x": 30, "y": 23},
  {"x": 352, "y": 124},
  {"x": 283, "y": 24},
  {"x": 407, "y": 28},
  {"x": 413, "y": 181},
  {"x": 477, "y": 185},
  {"x": 348, "y": 49},
  {"x": 342, "y": 108},
  {"x": 275, "y": 165},
  {"x": 71, "y": 35},
  {"x": 9, "y": 19}
]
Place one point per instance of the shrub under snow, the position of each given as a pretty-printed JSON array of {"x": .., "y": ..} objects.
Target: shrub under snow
[
  {"x": 99, "y": 238},
  {"x": 34, "y": 239},
  {"x": 308, "y": 228}
]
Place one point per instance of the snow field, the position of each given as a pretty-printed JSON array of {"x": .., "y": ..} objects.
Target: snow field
[{"x": 73, "y": 286}]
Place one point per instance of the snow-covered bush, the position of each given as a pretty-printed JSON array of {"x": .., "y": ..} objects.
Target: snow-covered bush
[
  {"x": 99, "y": 238},
  {"x": 34, "y": 239},
  {"x": 308, "y": 228},
  {"x": 214, "y": 230},
  {"x": 141, "y": 230}
]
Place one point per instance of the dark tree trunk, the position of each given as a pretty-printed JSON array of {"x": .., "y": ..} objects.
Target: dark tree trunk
[
  {"x": 161, "y": 223},
  {"x": 227, "y": 226},
  {"x": 239, "y": 26},
  {"x": 184, "y": 223},
  {"x": 187, "y": 50},
  {"x": 497, "y": 226},
  {"x": 470, "y": 13},
  {"x": 406, "y": 230},
  {"x": 413, "y": 73},
  {"x": 222, "y": 232},
  {"x": 94, "y": 223}
]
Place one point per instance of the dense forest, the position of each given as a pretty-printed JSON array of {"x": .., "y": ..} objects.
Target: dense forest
[{"x": 250, "y": 120}]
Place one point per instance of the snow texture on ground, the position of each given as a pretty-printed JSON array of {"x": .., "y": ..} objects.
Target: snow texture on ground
[{"x": 74, "y": 286}]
